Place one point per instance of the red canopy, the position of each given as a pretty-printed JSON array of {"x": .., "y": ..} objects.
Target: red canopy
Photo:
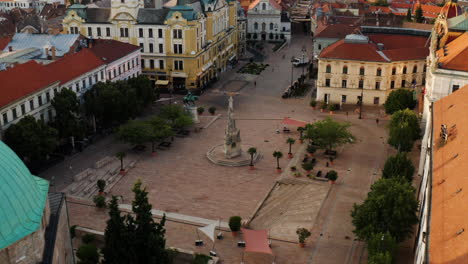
[
  {"x": 293, "y": 122},
  {"x": 256, "y": 241}
]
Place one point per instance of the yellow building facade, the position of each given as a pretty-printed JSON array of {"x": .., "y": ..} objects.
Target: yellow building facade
[{"x": 184, "y": 46}]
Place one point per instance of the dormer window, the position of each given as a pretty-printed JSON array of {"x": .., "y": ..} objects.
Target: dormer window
[{"x": 263, "y": 6}]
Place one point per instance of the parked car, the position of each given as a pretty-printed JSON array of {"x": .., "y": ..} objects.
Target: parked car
[{"x": 300, "y": 61}]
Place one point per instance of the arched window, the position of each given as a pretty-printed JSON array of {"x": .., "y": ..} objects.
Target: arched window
[
  {"x": 404, "y": 70},
  {"x": 393, "y": 71},
  {"x": 345, "y": 69},
  {"x": 328, "y": 69},
  {"x": 379, "y": 72},
  {"x": 255, "y": 25},
  {"x": 263, "y": 6},
  {"x": 271, "y": 26},
  {"x": 362, "y": 71},
  {"x": 415, "y": 69},
  {"x": 263, "y": 26}
]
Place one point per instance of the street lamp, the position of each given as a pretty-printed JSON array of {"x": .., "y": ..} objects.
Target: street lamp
[
  {"x": 292, "y": 69},
  {"x": 361, "y": 102},
  {"x": 303, "y": 52}
]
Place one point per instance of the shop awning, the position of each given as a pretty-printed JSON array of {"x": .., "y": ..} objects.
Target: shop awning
[
  {"x": 256, "y": 241},
  {"x": 162, "y": 82},
  {"x": 293, "y": 122},
  {"x": 209, "y": 230}
]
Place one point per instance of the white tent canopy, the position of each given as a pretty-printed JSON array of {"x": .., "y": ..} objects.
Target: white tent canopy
[{"x": 209, "y": 230}]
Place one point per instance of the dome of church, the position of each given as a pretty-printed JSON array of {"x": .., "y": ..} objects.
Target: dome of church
[
  {"x": 22, "y": 198},
  {"x": 451, "y": 9}
]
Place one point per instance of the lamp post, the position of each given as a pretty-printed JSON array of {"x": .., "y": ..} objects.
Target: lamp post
[
  {"x": 361, "y": 103},
  {"x": 303, "y": 52},
  {"x": 292, "y": 69}
]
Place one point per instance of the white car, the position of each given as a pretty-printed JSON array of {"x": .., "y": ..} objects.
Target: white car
[{"x": 300, "y": 61}]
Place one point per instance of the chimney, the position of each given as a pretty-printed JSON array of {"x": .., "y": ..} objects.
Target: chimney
[
  {"x": 10, "y": 48},
  {"x": 53, "y": 52},
  {"x": 380, "y": 46}
]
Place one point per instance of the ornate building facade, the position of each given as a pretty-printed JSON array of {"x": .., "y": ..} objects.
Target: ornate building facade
[{"x": 184, "y": 44}]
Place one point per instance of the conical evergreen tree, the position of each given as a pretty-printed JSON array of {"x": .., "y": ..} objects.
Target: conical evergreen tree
[
  {"x": 418, "y": 15},
  {"x": 408, "y": 15},
  {"x": 115, "y": 236}
]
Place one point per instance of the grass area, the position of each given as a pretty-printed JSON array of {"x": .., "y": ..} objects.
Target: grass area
[{"x": 253, "y": 68}]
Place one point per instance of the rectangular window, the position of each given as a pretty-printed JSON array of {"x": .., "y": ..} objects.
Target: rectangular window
[
  {"x": 343, "y": 99},
  {"x": 47, "y": 97},
  {"x": 327, "y": 82},
  {"x": 102, "y": 75},
  {"x": 178, "y": 48},
  {"x": 99, "y": 31},
  {"x": 161, "y": 48},
  {"x": 23, "y": 109},
  {"x": 142, "y": 63},
  {"x": 393, "y": 71},
  {"x": 84, "y": 83},
  {"x": 151, "y": 47},
  {"x": 152, "y": 64},
  {"x": 49, "y": 113},
  {"x": 345, "y": 70},
  {"x": 392, "y": 84},
  {"x": 39, "y": 100},
  {"x": 142, "y": 47},
  {"x": 90, "y": 80},
  {"x": 90, "y": 31},
  {"x": 160, "y": 33},
  {"x": 377, "y": 85},
  {"x": 150, "y": 33},
  {"x": 376, "y": 100},
  {"x": 403, "y": 83},
  {"x": 108, "y": 31},
  {"x": 55, "y": 91},
  {"x": 179, "y": 65},
  {"x": 122, "y": 33},
  {"x": 5, "y": 118},
  {"x": 177, "y": 33},
  {"x": 361, "y": 71},
  {"x": 140, "y": 32},
  {"x": 31, "y": 104},
  {"x": 126, "y": 32},
  {"x": 361, "y": 84},
  {"x": 161, "y": 64},
  {"x": 15, "y": 114},
  {"x": 455, "y": 88},
  {"x": 343, "y": 83},
  {"x": 379, "y": 72}
]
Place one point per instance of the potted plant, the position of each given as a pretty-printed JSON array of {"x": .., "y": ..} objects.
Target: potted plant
[
  {"x": 200, "y": 110},
  {"x": 332, "y": 176},
  {"x": 101, "y": 184},
  {"x": 303, "y": 234},
  {"x": 278, "y": 155},
  {"x": 313, "y": 104},
  {"x": 331, "y": 159},
  {"x": 293, "y": 168},
  {"x": 332, "y": 108},
  {"x": 235, "y": 224},
  {"x": 99, "y": 201},
  {"x": 290, "y": 141},
  {"x": 311, "y": 150},
  {"x": 323, "y": 106},
  {"x": 301, "y": 133},
  {"x": 308, "y": 166},
  {"x": 297, "y": 174},
  {"x": 212, "y": 110},
  {"x": 252, "y": 152},
  {"x": 121, "y": 155}
]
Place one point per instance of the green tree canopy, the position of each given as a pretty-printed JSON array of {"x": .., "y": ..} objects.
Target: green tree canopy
[
  {"x": 144, "y": 89},
  {"x": 176, "y": 116},
  {"x": 380, "y": 243},
  {"x": 135, "y": 132},
  {"x": 390, "y": 206},
  {"x": 31, "y": 139},
  {"x": 398, "y": 100},
  {"x": 159, "y": 130},
  {"x": 418, "y": 15},
  {"x": 67, "y": 107},
  {"x": 329, "y": 134},
  {"x": 398, "y": 165},
  {"x": 404, "y": 130},
  {"x": 408, "y": 15},
  {"x": 87, "y": 254},
  {"x": 115, "y": 236}
]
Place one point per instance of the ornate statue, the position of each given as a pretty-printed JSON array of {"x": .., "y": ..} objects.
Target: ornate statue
[{"x": 190, "y": 99}]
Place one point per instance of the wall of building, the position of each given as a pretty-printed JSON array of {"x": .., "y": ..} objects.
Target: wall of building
[
  {"x": 264, "y": 21},
  {"x": 125, "y": 67},
  {"x": 63, "y": 251},
  {"x": 321, "y": 43}
]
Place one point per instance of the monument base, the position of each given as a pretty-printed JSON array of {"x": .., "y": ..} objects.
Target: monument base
[
  {"x": 194, "y": 112},
  {"x": 218, "y": 157}
]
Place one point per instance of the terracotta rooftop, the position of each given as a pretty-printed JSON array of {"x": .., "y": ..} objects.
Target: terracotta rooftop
[
  {"x": 380, "y": 9},
  {"x": 4, "y": 42},
  {"x": 396, "y": 48},
  {"x": 112, "y": 50},
  {"x": 454, "y": 55},
  {"x": 429, "y": 11},
  {"x": 338, "y": 31},
  {"x": 448, "y": 237}
]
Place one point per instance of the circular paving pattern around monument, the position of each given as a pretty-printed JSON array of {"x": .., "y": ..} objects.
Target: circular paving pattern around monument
[{"x": 217, "y": 156}]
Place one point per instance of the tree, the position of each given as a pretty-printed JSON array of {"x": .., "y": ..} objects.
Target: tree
[
  {"x": 381, "y": 244},
  {"x": 380, "y": 258},
  {"x": 31, "y": 139},
  {"x": 278, "y": 155},
  {"x": 398, "y": 165},
  {"x": 290, "y": 141},
  {"x": 135, "y": 132},
  {"x": 121, "y": 155},
  {"x": 252, "y": 152},
  {"x": 87, "y": 254},
  {"x": 159, "y": 130},
  {"x": 390, "y": 206},
  {"x": 301, "y": 131},
  {"x": 115, "y": 236},
  {"x": 399, "y": 100},
  {"x": 67, "y": 107},
  {"x": 408, "y": 15},
  {"x": 404, "y": 130},
  {"x": 143, "y": 88},
  {"x": 329, "y": 134},
  {"x": 418, "y": 15},
  {"x": 147, "y": 241},
  {"x": 176, "y": 116}
]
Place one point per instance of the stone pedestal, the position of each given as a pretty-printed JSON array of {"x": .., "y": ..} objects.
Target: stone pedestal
[{"x": 193, "y": 111}]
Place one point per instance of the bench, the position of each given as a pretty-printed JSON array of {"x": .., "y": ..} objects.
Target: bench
[
  {"x": 330, "y": 152},
  {"x": 164, "y": 145}
]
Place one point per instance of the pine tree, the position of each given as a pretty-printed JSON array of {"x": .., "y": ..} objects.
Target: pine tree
[
  {"x": 115, "y": 236},
  {"x": 418, "y": 15},
  {"x": 408, "y": 15}
]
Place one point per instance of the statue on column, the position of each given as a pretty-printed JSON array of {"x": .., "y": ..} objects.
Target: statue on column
[
  {"x": 232, "y": 140},
  {"x": 189, "y": 102}
]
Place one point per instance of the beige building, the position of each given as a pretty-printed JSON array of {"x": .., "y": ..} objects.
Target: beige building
[{"x": 369, "y": 67}]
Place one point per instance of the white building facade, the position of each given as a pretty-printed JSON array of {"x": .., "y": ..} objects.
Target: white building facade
[{"x": 265, "y": 21}]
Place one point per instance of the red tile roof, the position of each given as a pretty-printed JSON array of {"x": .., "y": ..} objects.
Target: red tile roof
[
  {"x": 4, "y": 42},
  {"x": 454, "y": 55},
  {"x": 396, "y": 48},
  {"x": 449, "y": 205},
  {"x": 429, "y": 11},
  {"x": 380, "y": 9},
  {"x": 335, "y": 31},
  {"x": 22, "y": 80},
  {"x": 112, "y": 50}
]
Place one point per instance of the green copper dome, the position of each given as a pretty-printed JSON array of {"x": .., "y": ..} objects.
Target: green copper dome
[{"x": 22, "y": 198}]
